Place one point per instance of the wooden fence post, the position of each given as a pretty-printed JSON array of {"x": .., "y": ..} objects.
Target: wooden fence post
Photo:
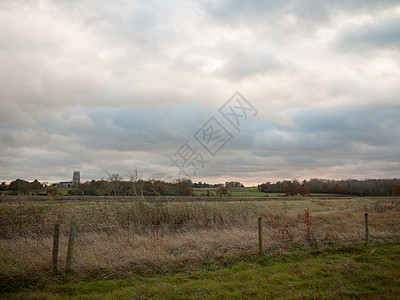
[
  {"x": 366, "y": 228},
  {"x": 260, "y": 236},
  {"x": 71, "y": 240},
  {"x": 56, "y": 240}
]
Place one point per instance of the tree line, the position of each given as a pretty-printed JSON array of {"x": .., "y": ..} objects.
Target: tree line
[
  {"x": 115, "y": 185},
  {"x": 369, "y": 187},
  {"x": 20, "y": 186}
]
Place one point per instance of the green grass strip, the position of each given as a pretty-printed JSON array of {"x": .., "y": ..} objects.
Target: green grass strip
[{"x": 340, "y": 273}]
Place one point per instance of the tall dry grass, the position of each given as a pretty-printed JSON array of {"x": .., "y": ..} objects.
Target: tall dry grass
[{"x": 116, "y": 240}]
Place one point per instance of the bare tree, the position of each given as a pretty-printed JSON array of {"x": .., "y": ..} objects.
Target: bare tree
[
  {"x": 115, "y": 181},
  {"x": 136, "y": 182}
]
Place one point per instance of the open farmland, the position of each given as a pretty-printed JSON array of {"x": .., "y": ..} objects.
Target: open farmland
[{"x": 119, "y": 238}]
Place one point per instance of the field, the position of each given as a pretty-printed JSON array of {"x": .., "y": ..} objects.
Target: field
[
  {"x": 347, "y": 272},
  {"x": 249, "y": 192},
  {"x": 237, "y": 192},
  {"x": 158, "y": 247}
]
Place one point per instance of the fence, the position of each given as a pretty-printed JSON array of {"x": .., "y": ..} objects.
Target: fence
[
  {"x": 307, "y": 231},
  {"x": 116, "y": 240}
]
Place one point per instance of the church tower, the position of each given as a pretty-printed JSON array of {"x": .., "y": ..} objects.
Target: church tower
[{"x": 76, "y": 179}]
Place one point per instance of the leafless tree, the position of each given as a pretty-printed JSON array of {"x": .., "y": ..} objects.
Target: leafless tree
[
  {"x": 115, "y": 181},
  {"x": 136, "y": 182}
]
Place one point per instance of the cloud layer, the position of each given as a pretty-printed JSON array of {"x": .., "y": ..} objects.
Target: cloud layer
[{"x": 100, "y": 85}]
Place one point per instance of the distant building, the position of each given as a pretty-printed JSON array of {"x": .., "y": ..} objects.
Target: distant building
[
  {"x": 76, "y": 181},
  {"x": 65, "y": 184}
]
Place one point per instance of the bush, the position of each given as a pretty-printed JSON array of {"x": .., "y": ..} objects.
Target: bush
[
  {"x": 396, "y": 190},
  {"x": 383, "y": 205}
]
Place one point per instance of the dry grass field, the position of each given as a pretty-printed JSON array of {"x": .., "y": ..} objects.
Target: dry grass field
[{"x": 120, "y": 239}]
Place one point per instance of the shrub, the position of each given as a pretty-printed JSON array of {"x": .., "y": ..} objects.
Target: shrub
[
  {"x": 396, "y": 190},
  {"x": 382, "y": 205}
]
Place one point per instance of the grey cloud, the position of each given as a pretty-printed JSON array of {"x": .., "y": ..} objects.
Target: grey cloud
[
  {"x": 108, "y": 130},
  {"x": 368, "y": 132},
  {"x": 361, "y": 139},
  {"x": 317, "y": 140},
  {"x": 371, "y": 125},
  {"x": 232, "y": 11},
  {"x": 382, "y": 34}
]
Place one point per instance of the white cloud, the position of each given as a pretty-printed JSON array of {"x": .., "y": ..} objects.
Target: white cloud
[{"x": 96, "y": 85}]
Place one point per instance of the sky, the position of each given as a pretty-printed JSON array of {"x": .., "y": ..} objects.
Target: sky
[{"x": 251, "y": 91}]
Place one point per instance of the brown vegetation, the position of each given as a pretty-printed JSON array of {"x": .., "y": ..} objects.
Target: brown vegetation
[
  {"x": 117, "y": 240},
  {"x": 396, "y": 190},
  {"x": 304, "y": 191}
]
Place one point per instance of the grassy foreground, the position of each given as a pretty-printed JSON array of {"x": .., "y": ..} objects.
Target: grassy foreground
[{"x": 342, "y": 272}]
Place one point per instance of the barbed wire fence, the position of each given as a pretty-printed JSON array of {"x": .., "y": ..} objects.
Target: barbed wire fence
[{"x": 264, "y": 232}]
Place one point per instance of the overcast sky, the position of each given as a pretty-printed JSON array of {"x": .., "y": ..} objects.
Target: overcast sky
[{"x": 118, "y": 85}]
